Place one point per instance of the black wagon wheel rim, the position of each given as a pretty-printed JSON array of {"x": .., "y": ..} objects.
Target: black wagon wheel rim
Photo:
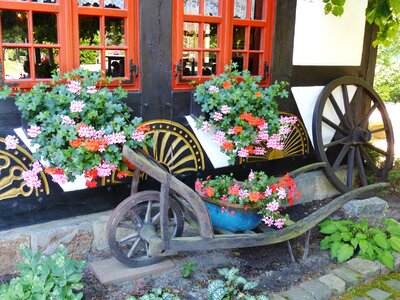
[
  {"x": 129, "y": 216},
  {"x": 349, "y": 116}
]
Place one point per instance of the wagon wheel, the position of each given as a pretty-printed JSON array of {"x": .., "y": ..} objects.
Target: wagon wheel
[
  {"x": 352, "y": 127},
  {"x": 129, "y": 218}
]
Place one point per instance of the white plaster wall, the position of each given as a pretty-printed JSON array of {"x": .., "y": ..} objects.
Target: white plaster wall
[{"x": 326, "y": 40}]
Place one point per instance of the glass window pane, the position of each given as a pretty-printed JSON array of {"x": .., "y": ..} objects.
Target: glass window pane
[
  {"x": 94, "y": 3},
  {"x": 115, "y": 34},
  {"x": 16, "y": 63},
  {"x": 89, "y": 30},
  {"x": 190, "y": 35},
  {"x": 119, "y": 4},
  {"x": 211, "y": 7},
  {"x": 257, "y": 9},
  {"x": 44, "y": 28},
  {"x": 191, "y": 7},
  {"x": 209, "y": 63},
  {"x": 254, "y": 63},
  {"x": 90, "y": 60},
  {"x": 238, "y": 37},
  {"x": 255, "y": 38},
  {"x": 14, "y": 26},
  {"x": 115, "y": 63},
  {"x": 240, "y": 9},
  {"x": 45, "y": 1},
  {"x": 190, "y": 60},
  {"x": 239, "y": 59},
  {"x": 46, "y": 61},
  {"x": 210, "y": 36}
]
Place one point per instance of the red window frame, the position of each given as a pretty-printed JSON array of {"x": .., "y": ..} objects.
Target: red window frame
[
  {"x": 67, "y": 13},
  {"x": 226, "y": 23}
]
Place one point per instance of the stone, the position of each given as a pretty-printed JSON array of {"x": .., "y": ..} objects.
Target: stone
[
  {"x": 396, "y": 260},
  {"x": 275, "y": 297},
  {"x": 9, "y": 252},
  {"x": 110, "y": 270},
  {"x": 373, "y": 206},
  {"x": 393, "y": 283},
  {"x": 295, "y": 293},
  {"x": 368, "y": 269},
  {"x": 100, "y": 233},
  {"x": 323, "y": 188},
  {"x": 335, "y": 284},
  {"x": 378, "y": 294},
  {"x": 317, "y": 289},
  {"x": 349, "y": 276}
]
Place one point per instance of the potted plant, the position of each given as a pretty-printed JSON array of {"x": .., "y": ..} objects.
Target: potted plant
[
  {"x": 240, "y": 206},
  {"x": 79, "y": 127},
  {"x": 244, "y": 116}
]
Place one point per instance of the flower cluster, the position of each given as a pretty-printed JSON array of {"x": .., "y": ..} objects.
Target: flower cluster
[
  {"x": 258, "y": 191},
  {"x": 245, "y": 116},
  {"x": 80, "y": 128}
]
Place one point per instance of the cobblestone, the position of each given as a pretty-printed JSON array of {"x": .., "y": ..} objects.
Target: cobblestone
[
  {"x": 317, "y": 289},
  {"x": 349, "y": 276},
  {"x": 378, "y": 294},
  {"x": 368, "y": 269},
  {"x": 336, "y": 284}
]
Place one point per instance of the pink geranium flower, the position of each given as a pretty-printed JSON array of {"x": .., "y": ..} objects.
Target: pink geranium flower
[{"x": 11, "y": 142}]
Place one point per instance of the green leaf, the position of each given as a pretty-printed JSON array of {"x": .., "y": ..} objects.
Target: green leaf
[
  {"x": 337, "y": 11},
  {"x": 328, "y": 8},
  {"x": 345, "y": 252},
  {"x": 335, "y": 249},
  {"x": 395, "y": 4},
  {"x": 329, "y": 228},
  {"x": 395, "y": 243},
  {"x": 354, "y": 242},
  {"x": 326, "y": 243},
  {"x": 381, "y": 240},
  {"x": 387, "y": 259},
  {"x": 339, "y": 2}
]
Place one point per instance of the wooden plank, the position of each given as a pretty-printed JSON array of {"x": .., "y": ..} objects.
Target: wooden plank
[
  {"x": 250, "y": 232},
  {"x": 223, "y": 231}
]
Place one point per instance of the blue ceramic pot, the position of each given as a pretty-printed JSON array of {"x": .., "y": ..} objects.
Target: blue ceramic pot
[{"x": 233, "y": 218}]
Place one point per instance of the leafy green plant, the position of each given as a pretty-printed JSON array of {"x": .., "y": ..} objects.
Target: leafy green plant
[
  {"x": 188, "y": 269},
  {"x": 394, "y": 175},
  {"x": 346, "y": 238},
  {"x": 45, "y": 277},
  {"x": 234, "y": 287},
  {"x": 155, "y": 294}
]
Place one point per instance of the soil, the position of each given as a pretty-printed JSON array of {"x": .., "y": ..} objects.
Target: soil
[{"x": 270, "y": 266}]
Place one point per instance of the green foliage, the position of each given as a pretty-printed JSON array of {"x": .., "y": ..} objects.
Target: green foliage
[
  {"x": 234, "y": 287},
  {"x": 344, "y": 238},
  {"x": 188, "y": 269},
  {"x": 155, "y": 294},
  {"x": 394, "y": 176},
  {"x": 45, "y": 277}
]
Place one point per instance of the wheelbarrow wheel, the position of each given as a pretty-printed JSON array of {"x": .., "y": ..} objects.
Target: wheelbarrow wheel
[
  {"x": 352, "y": 131},
  {"x": 125, "y": 223}
]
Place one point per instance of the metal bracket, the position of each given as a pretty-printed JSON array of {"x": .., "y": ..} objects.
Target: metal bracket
[
  {"x": 179, "y": 72},
  {"x": 266, "y": 71},
  {"x": 133, "y": 73},
  {"x": 2, "y": 82}
]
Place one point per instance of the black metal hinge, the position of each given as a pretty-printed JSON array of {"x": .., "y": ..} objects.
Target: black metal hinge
[
  {"x": 2, "y": 82},
  {"x": 133, "y": 73},
  {"x": 266, "y": 71},
  {"x": 179, "y": 72}
]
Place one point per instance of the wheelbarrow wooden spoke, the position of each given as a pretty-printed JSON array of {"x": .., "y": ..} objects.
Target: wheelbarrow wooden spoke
[
  {"x": 156, "y": 218},
  {"x": 350, "y": 167},
  {"x": 147, "y": 217},
  {"x": 360, "y": 167},
  {"x": 135, "y": 243},
  {"x": 364, "y": 121},
  {"x": 376, "y": 149},
  {"x": 334, "y": 126},
  {"x": 338, "y": 111},
  {"x": 128, "y": 238},
  {"x": 340, "y": 157},
  {"x": 370, "y": 162},
  {"x": 378, "y": 130},
  {"x": 348, "y": 116},
  {"x": 337, "y": 142}
]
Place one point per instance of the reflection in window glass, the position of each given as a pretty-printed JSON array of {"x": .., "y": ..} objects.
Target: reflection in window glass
[
  {"x": 254, "y": 63},
  {"x": 191, "y": 7},
  {"x": 44, "y": 28},
  {"x": 190, "y": 60},
  {"x": 14, "y": 26},
  {"x": 190, "y": 35},
  {"x": 238, "y": 37},
  {"x": 16, "y": 63},
  {"x": 240, "y": 9},
  {"x": 115, "y": 32},
  {"x": 89, "y": 29},
  {"x": 239, "y": 59},
  {"x": 45, "y": 1},
  {"x": 94, "y": 3},
  {"x": 255, "y": 38},
  {"x": 46, "y": 61},
  {"x": 209, "y": 63},
  {"x": 114, "y": 4},
  {"x": 257, "y": 9},
  {"x": 90, "y": 60},
  {"x": 210, "y": 36},
  {"x": 211, "y": 7},
  {"x": 115, "y": 63}
]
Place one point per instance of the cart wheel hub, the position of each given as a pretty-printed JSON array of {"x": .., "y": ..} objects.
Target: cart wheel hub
[{"x": 360, "y": 135}]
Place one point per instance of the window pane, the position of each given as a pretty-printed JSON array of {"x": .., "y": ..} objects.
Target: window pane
[
  {"x": 254, "y": 63},
  {"x": 238, "y": 37},
  {"x": 191, "y": 7},
  {"x": 89, "y": 29},
  {"x": 14, "y": 26},
  {"x": 257, "y": 9},
  {"x": 44, "y": 28},
  {"x": 115, "y": 63},
  {"x": 209, "y": 63},
  {"x": 190, "y": 60},
  {"x": 45, "y": 1},
  {"x": 90, "y": 60},
  {"x": 114, "y": 4},
  {"x": 16, "y": 63},
  {"x": 240, "y": 9},
  {"x": 94, "y": 3},
  {"x": 115, "y": 32},
  {"x": 239, "y": 59},
  {"x": 46, "y": 61},
  {"x": 255, "y": 38},
  {"x": 210, "y": 35},
  {"x": 190, "y": 35},
  {"x": 211, "y": 7}
]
